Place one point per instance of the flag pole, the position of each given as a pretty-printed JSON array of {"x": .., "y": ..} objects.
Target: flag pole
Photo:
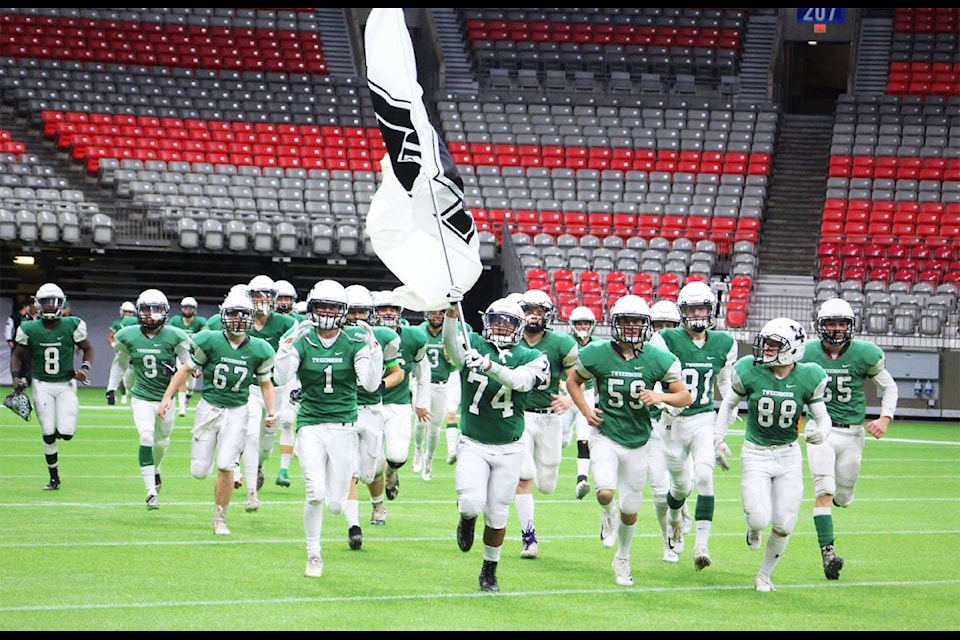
[{"x": 446, "y": 258}]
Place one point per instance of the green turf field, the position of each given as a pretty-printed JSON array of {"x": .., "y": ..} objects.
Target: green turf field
[{"x": 91, "y": 557}]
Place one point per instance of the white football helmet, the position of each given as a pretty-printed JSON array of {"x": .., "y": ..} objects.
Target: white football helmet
[
  {"x": 698, "y": 306},
  {"x": 787, "y": 335},
  {"x": 263, "y": 292},
  {"x": 360, "y": 299},
  {"x": 664, "y": 311},
  {"x": 188, "y": 307},
  {"x": 503, "y": 323},
  {"x": 332, "y": 297},
  {"x": 630, "y": 320},
  {"x": 49, "y": 301},
  {"x": 236, "y": 313},
  {"x": 582, "y": 314},
  {"x": 388, "y": 311},
  {"x": 152, "y": 308},
  {"x": 836, "y": 309},
  {"x": 300, "y": 307},
  {"x": 128, "y": 307},
  {"x": 435, "y": 316},
  {"x": 516, "y": 297},
  {"x": 286, "y": 296},
  {"x": 532, "y": 302}
]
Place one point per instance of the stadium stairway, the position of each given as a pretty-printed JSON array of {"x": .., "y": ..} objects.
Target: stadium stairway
[
  {"x": 337, "y": 51},
  {"x": 798, "y": 183},
  {"x": 458, "y": 76}
]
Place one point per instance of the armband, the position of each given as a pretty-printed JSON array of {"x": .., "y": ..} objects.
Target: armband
[
  {"x": 14, "y": 373},
  {"x": 85, "y": 366}
]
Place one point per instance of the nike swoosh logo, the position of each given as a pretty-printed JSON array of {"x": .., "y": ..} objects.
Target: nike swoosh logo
[
  {"x": 791, "y": 386},
  {"x": 338, "y": 353}
]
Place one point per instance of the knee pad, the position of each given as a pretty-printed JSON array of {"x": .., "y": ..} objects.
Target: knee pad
[
  {"x": 825, "y": 486},
  {"x": 200, "y": 471},
  {"x": 547, "y": 480},
  {"x": 64, "y": 437},
  {"x": 396, "y": 465},
  {"x": 146, "y": 439},
  {"x": 49, "y": 439},
  {"x": 843, "y": 497},
  {"x": 336, "y": 508},
  {"x": 469, "y": 508}
]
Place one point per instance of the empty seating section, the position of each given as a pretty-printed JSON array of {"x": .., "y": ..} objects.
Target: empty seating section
[
  {"x": 647, "y": 171},
  {"x": 581, "y": 50},
  {"x": 891, "y": 215},
  {"x": 923, "y": 56},
  {"x": 35, "y": 201},
  {"x": 890, "y": 232},
  {"x": 226, "y": 39}
]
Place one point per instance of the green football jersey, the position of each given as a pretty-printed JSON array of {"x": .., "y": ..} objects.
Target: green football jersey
[
  {"x": 125, "y": 321},
  {"x": 700, "y": 365},
  {"x": 328, "y": 378},
  {"x": 440, "y": 367},
  {"x": 845, "y": 398},
  {"x": 213, "y": 323},
  {"x": 276, "y": 325},
  {"x": 148, "y": 356},
  {"x": 626, "y": 419},
  {"x": 774, "y": 405},
  {"x": 229, "y": 371},
  {"x": 413, "y": 343},
  {"x": 52, "y": 350},
  {"x": 561, "y": 352},
  {"x": 197, "y": 323},
  {"x": 489, "y": 412}
]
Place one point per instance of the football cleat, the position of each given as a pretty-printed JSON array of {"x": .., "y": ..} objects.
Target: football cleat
[
  {"x": 260, "y": 478},
  {"x": 152, "y": 502},
  {"x": 675, "y": 535},
  {"x": 391, "y": 483},
  {"x": 701, "y": 557},
  {"x": 355, "y": 537},
  {"x": 283, "y": 478},
  {"x": 465, "y": 529},
  {"x": 762, "y": 583},
  {"x": 417, "y": 461},
  {"x": 53, "y": 485},
  {"x": 314, "y": 567},
  {"x": 253, "y": 503},
  {"x": 583, "y": 487},
  {"x": 531, "y": 548},
  {"x": 220, "y": 522},
  {"x": 832, "y": 563},
  {"x": 621, "y": 571},
  {"x": 237, "y": 479},
  {"x": 488, "y": 577},
  {"x": 608, "y": 527},
  {"x": 379, "y": 515}
]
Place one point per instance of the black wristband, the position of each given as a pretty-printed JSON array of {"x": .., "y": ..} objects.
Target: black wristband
[{"x": 85, "y": 366}]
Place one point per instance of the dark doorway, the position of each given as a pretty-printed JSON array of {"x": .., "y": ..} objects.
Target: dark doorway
[{"x": 814, "y": 75}]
